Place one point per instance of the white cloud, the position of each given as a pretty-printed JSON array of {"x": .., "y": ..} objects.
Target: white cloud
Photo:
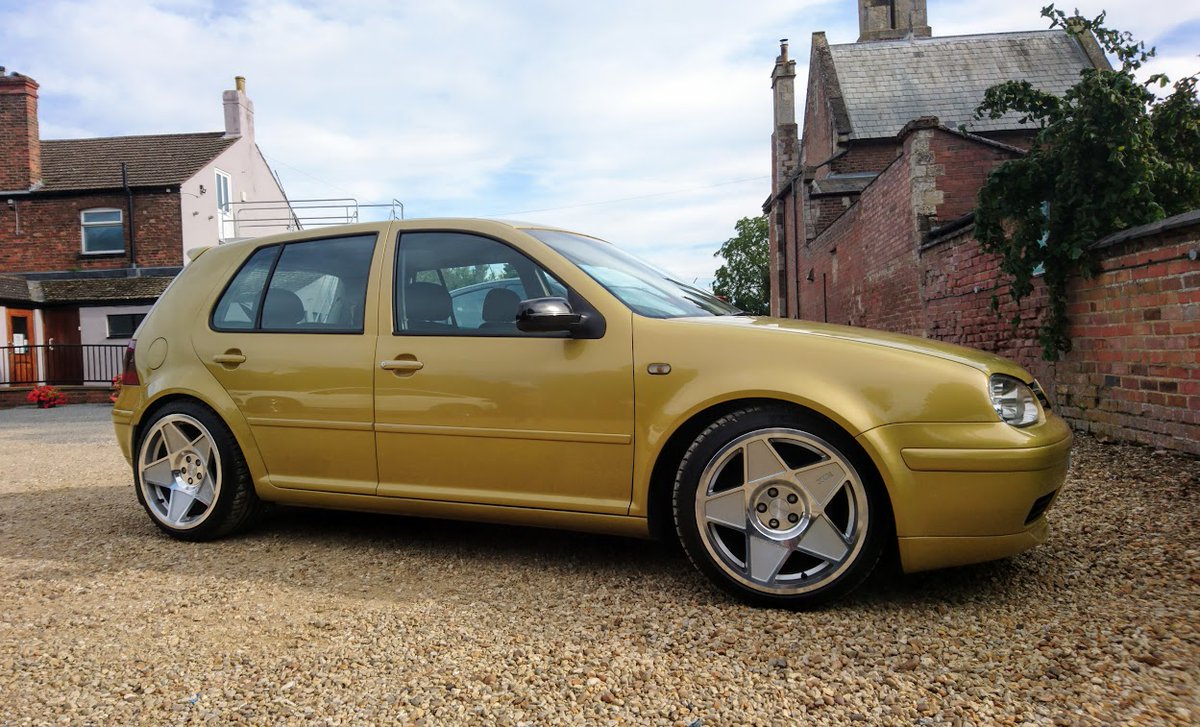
[{"x": 629, "y": 119}]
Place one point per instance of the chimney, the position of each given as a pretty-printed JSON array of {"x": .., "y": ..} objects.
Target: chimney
[
  {"x": 20, "y": 144},
  {"x": 784, "y": 147},
  {"x": 892, "y": 20},
  {"x": 239, "y": 111}
]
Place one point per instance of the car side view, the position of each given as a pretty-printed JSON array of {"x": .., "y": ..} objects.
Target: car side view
[{"x": 494, "y": 371}]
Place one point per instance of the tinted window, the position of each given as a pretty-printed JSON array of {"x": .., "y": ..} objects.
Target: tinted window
[
  {"x": 238, "y": 307},
  {"x": 318, "y": 286},
  {"x": 460, "y": 284},
  {"x": 122, "y": 325}
]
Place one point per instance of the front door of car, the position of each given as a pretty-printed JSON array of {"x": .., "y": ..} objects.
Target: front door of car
[
  {"x": 469, "y": 409},
  {"x": 290, "y": 342}
]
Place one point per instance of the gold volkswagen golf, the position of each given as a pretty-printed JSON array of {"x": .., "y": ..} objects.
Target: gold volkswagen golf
[{"x": 481, "y": 370}]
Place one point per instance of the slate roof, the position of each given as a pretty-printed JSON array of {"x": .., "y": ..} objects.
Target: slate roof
[
  {"x": 82, "y": 290},
  {"x": 12, "y": 288},
  {"x": 886, "y": 84},
  {"x": 164, "y": 159}
]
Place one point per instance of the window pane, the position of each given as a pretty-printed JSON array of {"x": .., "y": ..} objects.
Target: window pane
[
  {"x": 462, "y": 284},
  {"x": 320, "y": 286},
  {"x": 238, "y": 306},
  {"x": 104, "y": 239},
  {"x": 122, "y": 325},
  {"x": 94, "y": 216},
  {"x": 645, "y": 289},
  {"x": 222, "y": 191}
]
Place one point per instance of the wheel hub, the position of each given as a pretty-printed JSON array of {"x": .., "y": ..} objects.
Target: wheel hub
[
  {"x": 188, "y": 468},
  {"x": 779, "y": 510}
]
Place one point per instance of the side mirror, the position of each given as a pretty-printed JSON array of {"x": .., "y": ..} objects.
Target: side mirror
[{"x": 546, "y": 315}]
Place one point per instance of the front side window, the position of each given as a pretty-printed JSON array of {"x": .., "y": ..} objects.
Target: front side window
[
  {"x": 646, "y": 290},
  {"x": 102, "y": 231},
  {"x": 318, "y": 286},
  {"x": 452, "y": 283}
]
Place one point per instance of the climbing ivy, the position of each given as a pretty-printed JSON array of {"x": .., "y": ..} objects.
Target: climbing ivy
[{"x": 1108, "y": 154}]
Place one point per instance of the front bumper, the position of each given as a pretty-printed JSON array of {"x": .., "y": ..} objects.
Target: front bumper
[{"x": 967, "y": 493}]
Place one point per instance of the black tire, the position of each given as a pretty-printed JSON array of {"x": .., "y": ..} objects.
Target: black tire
[
  {"x": 817, "y": 537},
  {"x": 165, "y": 468}
]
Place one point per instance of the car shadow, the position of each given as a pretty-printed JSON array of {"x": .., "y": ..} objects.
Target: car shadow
[{"x": 395, "y": 557}]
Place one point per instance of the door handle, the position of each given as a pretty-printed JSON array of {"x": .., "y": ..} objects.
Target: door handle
[
  {"x": 401, "y": 365},
  {"x": 229, "y": 358}
]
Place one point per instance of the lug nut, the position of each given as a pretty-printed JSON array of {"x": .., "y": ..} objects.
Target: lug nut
[
  {"x": 762, "y": 507},
  {"x": 774, "y": 523},
  {"x": 792, "y": 498},
  {"x": 793, "y": 518},
  {"x": 773, "y": 492}
]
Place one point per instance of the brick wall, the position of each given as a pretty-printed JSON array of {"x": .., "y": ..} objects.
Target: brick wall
[
  {"x": 864, "y": 263},
  {"x": 20, "y": 147},
  {"x": 868, "y": 156},
  {"x": 15, "y": 397},
  {"x": 50, "y": 234},
  {"x": 1134, "y": 373}
]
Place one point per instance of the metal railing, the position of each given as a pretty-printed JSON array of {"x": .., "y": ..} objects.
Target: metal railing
[
  {"x": 252, "y": 219},
  {"x": 61, "y": 364}
]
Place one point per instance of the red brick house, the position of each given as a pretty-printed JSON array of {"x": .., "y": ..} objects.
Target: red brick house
[
  {"x": 871, "y": 222},
  {"x": 860, "y": 99},
  {"x": 93, "y": 230}
]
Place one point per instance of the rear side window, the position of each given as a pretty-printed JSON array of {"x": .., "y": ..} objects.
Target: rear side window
[
  {"x": 238, "y": 308},
  {"x": 317, "y": 286}
]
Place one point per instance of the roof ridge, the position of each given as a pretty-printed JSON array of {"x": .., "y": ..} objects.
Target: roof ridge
[
  {"x": 137, "y": 136},
  {"x": 940, "y": 38}
]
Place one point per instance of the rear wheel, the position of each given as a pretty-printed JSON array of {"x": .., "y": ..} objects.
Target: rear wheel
[
  {"x": 191, "y": 476},
  {"x": 779, "y": 508}
]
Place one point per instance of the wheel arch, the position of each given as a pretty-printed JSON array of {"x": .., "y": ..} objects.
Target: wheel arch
[
  {"x": 228, "y": 415},
  {"x": 670, "y": 455}
]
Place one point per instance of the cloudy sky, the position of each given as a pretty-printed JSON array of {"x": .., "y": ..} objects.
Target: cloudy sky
[{"x": 644, "y": 122}]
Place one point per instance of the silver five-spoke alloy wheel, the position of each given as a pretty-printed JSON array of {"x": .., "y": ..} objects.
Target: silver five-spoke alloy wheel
[
  {"x": 781, "y": 511},
  {"x": 179, "y": 467}
]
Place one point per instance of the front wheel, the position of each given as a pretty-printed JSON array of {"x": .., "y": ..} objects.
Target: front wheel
[{"x": 779, "y": 508}]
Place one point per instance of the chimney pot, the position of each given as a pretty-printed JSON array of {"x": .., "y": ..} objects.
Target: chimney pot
[{"x": 239, "y": 83}]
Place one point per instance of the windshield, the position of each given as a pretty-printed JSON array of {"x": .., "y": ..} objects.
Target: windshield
[{"x": 647, "y": 290}]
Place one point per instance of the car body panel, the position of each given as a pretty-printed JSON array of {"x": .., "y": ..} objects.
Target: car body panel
[
  {"x": 306, "y": 397},
  {"x": 466, "y": 426}
]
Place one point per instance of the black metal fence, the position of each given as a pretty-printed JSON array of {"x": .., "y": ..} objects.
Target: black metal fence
[{"x": 60, "y": 364}]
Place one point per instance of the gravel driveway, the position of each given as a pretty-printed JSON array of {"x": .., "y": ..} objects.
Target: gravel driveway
[{"x": 345, "y": 618}]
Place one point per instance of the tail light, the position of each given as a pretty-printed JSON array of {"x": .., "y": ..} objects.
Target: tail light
[{"x": 130, "y": 377}]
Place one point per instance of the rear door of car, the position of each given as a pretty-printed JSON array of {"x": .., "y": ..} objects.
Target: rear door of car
[
  {"x": 292, "y": 343},
  {"x": 469, "y": 409}
]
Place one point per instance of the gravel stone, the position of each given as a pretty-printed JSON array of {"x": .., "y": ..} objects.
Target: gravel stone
[{"x": 341, "y": 618}]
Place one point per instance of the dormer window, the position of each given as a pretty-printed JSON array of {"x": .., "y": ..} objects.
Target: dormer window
[{"x": 103, "y": 232}]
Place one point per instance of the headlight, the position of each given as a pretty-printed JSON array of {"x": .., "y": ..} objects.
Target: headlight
[{"x": 1013, "y": 401}]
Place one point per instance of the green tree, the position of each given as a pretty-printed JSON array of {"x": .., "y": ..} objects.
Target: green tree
[
  {"x": 744, "y": 279},
  {"x": 1109, "y": 154}
]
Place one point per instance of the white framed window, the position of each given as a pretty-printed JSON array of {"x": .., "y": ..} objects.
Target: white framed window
[
  {"x": 102, "y": 231},
  {"x": 224, "y": 210}
]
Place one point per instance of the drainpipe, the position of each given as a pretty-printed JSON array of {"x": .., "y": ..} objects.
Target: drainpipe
[
  {"x": 824, "y": 300},
  {"x": 129, "y": 213}
]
